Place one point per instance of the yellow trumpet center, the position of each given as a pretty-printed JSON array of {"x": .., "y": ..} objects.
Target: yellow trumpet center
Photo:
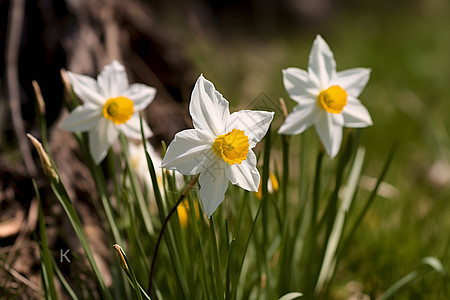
[
  {"x": 232, "y": 147},
  {"x": 119, "y": 110},
  {"x": 332, "y": 99}
]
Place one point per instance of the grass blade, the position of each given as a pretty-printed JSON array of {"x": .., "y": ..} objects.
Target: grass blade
[
  {"x": 46, "y": 257},
  {"x": 291, "y": 296},
  {"x": 330, "y": 257}
]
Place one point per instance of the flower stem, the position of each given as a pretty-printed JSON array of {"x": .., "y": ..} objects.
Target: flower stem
[
  {"x": 166, "y": 221},
  {"x": 316, "y": 189}
]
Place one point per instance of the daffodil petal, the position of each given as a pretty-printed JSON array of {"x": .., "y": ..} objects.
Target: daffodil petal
[
  {"x": 141, "y": 95},
  {"x": 113, "y": 80},
  {"x": 101, "y": 138},
  {"x": 330, "y": 134},
  {"x": 254, "y": 124},
  {"x": 86, "y": 89},
  {"x": 208, "y": 109},
  {"x": 299, "y": 87},
  {"x": 246, "y": 174},
  {"x": 82, "y": 118},
  {"x": 190, "y": 152},
  {"x": 298, "y": 120},
  {"x": 132, "y": 128},
  {"x": 356, "y": 115},
  {"x": 213, "y": 185},
  {"x": 353, "y": 81},
  {"x": 338, "y": 119},
  {"x": 321, "y": 65}
]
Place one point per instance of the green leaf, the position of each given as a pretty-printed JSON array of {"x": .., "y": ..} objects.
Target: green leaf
[
  {"x": 46, "y": 257},
  {"x": 330, "y": 257},
  {"x": 291, "y": 296}
]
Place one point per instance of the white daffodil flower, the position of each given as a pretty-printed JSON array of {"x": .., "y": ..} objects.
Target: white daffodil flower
[
  {"x": 139, "y": 163},
  {"x": 110, "y": 105},
  {"x": 139, "y": 166},
  {"x": 219, "y": 147},
  {"x": 326, "y": 99}
]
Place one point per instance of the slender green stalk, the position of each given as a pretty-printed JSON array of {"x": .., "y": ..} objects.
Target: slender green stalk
[
  {"x": 151, "y": 169},
  {"x": 316, "y": 188},
  {"x": 284, "y": 187},
  {"x": 61, "y": 195},
  {"x": 330, "y": 213},
  {"x": 228, "y": 276},
  {"x": 100, "y": 183},
  {"x": 143, "y": 207},
  {"x": 135, "y": 239},
  {"x": 330, "y": 258},
  {"x": 265, "y": 193},
  {"x": 64, "y": 282},
  {"x": 216, "y": 261},
  {"x": 46, "y": 257},
  {"x": 163, "y": 228},
  {"x": 371, "y": 197},
  {"x": 233, "y": 294},
  {"x": 261, "y": 204}
]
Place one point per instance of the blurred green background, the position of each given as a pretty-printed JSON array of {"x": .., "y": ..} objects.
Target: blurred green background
[{"x": 407, "y": 46}]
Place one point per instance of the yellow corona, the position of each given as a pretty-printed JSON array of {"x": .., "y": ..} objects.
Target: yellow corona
[
  {"x": 119, "y": 109},
  {"x": 333, "y": 99},
  {"x": 232, "y": 147}
]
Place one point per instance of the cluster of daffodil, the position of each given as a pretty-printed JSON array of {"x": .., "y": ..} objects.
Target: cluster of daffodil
[
  {"x": 219, "y": 150},
  {"x": 220, "y": 145}
]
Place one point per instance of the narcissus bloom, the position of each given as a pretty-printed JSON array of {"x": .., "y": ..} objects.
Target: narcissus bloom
[
  {"x": 219, "y": 147},
  {"x": 139, "y": 163},
  {"x": 110, "y": 105},
  {"x": 139, "y": 166},
  {"x": 326, "y": 99}
]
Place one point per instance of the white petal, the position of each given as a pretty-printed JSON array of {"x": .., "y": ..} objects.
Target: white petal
[
  {"x": 141, "y": 95},
  {"x": 330, "y": 134},
  {"x": 190, "y": 152},
  {"x": 213, "y": 185},
  {"x": 101, "y": 138},
  {"x": 254, "y": 123},
  {"x": 113, "y": 80},
  {"x": 132, "y": 128},
  {"x": 208, "y": 109},
  {"x": 82, "y": 118},
  {"x": 86, "y": 89},
  {"x": 356, "y": 115},
  {"x": 338, "y": 119},
  {"x": 298, "y": 120},
  {"x": 353, "y": 81},
  {"x": 298, "y": 85},
  {"x": 321, "y": 65},
  {"x": 246, "y": 174}
]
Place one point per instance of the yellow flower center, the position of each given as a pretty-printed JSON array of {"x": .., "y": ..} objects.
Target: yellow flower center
[
  {"x": 332, "y": 99},
  {"x": 232, "y": 146},
  {"x": 119, "y": 110}
]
